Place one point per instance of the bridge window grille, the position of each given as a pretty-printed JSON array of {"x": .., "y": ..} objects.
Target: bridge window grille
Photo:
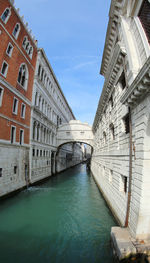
[{"x": 144, "y": 16}]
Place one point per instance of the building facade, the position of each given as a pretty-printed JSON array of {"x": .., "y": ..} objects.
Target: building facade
[
  {"x": 121, "y": 157},
  {"x": 17, "y": 64},
  {"x": 32, "y": 106},
  {"x": 50, "y": 109}
]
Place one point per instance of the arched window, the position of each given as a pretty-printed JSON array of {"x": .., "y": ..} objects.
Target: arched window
[
  {"x": 6, "y": 14},
  {"x": 36, "y": 97},
  {"x": 24, "y": 42},
  {"x": 16, "y": 30},
  {"x": 30, "y": 51},
  {"x": 34, "y": 130},
  {"x": 44, "y": 78},
  {"x": 42, "y": 74},
  {"x": 39, "y": 102},
  {"x": 23, "y": 76},
  {"x": 39, "y": 70},
  {"x": 44, "y": 134},
  {"x": 27, "y": 46},
  {"x": 42, "y": 105},
  {"x": 38, "y": 132}
]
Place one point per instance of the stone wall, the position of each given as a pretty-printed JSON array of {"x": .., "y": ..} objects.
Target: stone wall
[
  {"x": 126, "y": 67},
  {"x": 14, "y": 163}
]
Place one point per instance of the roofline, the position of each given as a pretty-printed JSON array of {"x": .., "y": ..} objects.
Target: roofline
[
  {"x": 50, "y": 67},
  {"x": 21, "y": 18},
  {"x": 114, "y": 12}
]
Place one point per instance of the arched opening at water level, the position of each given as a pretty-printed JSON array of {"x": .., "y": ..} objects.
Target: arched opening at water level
[{"x": 72, "y": 153}]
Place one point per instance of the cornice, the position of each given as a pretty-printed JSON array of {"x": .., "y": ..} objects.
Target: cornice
[
  {"x": 114, "y": 67},
  {"x": 139, "y": 87},
  {"x": 114, "y": 14},
  {"x": 41, "y": 50},
  {"x": 15, "y": 91},
  {"x": 49, "y": 95}
]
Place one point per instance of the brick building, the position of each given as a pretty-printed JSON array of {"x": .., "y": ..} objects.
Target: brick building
[{"x": 17, "y": 65}]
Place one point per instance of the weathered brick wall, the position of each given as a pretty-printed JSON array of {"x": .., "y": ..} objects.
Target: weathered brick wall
[{"x": 14, "y": 154}]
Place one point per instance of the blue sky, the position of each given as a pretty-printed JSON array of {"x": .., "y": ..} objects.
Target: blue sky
[{"x": 72, "y": 33}]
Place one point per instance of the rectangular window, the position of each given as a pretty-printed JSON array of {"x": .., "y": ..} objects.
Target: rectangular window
[
  {"x": 1, "y": 95},
  {"x": 40, "y": 152},
  {"x": 126, "y": 123},
  {"x": 4, "y": 69},
  {"x": 23, "y": 110},
  {"x": 9, "y": 49},
  {"x": 33, "y": 152},
  {"x": 13, "y": 134},
  {"x": 21, "y": 137},
  {"x": 123, "y": 184},
  {"x": 15, "y": 106},
  {"x": 15, "y": 169},
  {"x": 1, "y": 172}
]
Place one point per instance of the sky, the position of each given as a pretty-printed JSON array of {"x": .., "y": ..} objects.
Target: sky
[{"x": 72, "y": 33}]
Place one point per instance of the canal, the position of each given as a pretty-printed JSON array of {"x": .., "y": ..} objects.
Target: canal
[{"x": 64, "y": 220}]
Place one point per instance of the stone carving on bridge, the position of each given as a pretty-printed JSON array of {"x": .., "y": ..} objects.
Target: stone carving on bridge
[{"x": 75, "y": 131}]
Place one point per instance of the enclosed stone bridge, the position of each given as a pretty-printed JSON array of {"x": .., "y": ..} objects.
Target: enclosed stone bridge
[{"x": 75, "y": 131}]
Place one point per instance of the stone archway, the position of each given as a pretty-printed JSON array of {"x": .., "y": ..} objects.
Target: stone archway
[{"x": 75, "y": 131}]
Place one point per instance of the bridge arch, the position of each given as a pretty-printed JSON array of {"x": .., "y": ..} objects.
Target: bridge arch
[{"x": 75, "y": 131}]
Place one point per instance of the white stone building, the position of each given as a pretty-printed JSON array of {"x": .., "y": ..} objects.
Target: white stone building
[
  {"x": 50, "y": 109},
  {"x": 121, "y": 158}
]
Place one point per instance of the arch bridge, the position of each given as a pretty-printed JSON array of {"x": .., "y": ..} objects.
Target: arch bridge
[{"x": 75, "y": 131}]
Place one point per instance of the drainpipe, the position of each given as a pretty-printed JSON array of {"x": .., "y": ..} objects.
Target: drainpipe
[{"x": 130, "y": 170}]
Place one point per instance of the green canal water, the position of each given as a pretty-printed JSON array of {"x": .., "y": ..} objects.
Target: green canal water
[{"x": 64, "y": 220}]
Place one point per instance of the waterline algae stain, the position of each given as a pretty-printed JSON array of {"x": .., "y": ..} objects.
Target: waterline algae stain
[{"x": 64, "y": 220}]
